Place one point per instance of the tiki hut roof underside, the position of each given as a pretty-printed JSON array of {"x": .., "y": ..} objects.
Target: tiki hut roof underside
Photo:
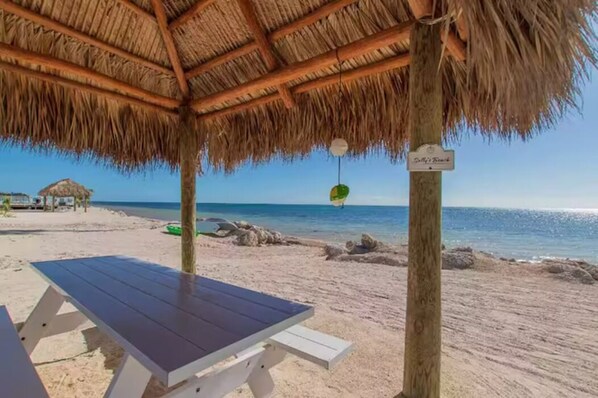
[{"x": 105, "y": 78}]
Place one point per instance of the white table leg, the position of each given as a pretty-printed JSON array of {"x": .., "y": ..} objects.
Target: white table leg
[
  {"x": 251, "y": 367},
  {"x": 130, "y": 380},
  {"x": 37, "y": 324},
  {"x": 260, "y": 380},
  {"x": 261, "y": 383}
]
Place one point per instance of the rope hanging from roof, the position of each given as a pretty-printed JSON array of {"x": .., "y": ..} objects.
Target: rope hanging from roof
[{"x": 339, "y": 146}]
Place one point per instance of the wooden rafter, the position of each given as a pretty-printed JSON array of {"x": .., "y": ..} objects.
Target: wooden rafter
[
  {"x": 221, "y": 59},
  {"x": 104, "y": 81},
  {"x": 190, "y": 13},
  {"x": 51, "y": 24},
  {"x": 53, "y": 79},
  {"x": 265, "y": 48},
  {"x": 278, "y": 34},
  {"x": 421, "y": 8},
  {"x": 462, "y": 28},
  {"x": 137, "y": 10},
  {"x": 297, "y": 70},
  {"x": 454, "y": 45},
  {"x": 399, "y": 61},
  {"x": 310, "y": 18},
  {"x": 171, "y": 47}
]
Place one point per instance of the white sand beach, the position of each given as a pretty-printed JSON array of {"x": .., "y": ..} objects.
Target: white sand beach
[{"x": 508, "y": 329}]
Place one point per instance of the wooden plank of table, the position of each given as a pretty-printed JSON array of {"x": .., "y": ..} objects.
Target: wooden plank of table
[
  {"x": 218, "y": 320},
  {"x": 18, "y": 377},
  {"x": 240, "y": 324},
  {"x": 285, "y": 306},
  {"x": 176, "y": 279},
  {"x": 204, "y": 335},
  {"x": 158, "y": 348}
]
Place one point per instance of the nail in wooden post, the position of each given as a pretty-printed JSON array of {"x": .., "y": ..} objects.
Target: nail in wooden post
[
  {"x": 421, "y": 377},
  {"x": 189, "y": 155}
]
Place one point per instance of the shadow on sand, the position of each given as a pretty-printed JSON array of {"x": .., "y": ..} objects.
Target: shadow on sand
[{"x": 113, "y": 354}]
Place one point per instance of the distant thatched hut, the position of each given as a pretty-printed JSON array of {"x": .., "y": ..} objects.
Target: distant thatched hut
[{"x": 66, "y": 188}]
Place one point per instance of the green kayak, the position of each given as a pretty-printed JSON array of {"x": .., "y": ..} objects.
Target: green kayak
[{"x": 176, "y": 230}]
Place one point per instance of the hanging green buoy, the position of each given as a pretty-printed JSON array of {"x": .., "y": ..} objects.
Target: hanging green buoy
[{"x": 338, "y": 194}]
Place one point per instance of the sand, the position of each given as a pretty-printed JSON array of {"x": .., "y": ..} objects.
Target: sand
[{"x": 507, "y": 331}]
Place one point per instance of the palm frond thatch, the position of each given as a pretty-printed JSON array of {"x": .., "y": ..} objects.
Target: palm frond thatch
[
  {"x": 525, "y": 63},
  {"x": 66, "y": 188}
]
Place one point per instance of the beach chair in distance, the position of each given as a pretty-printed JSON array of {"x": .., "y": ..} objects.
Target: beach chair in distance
[{"x": 18, "y": 378}]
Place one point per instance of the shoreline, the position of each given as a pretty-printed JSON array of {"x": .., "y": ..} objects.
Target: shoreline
[
  {"x": 320, "y": 241},
  {"x": 508, "y": 327}
]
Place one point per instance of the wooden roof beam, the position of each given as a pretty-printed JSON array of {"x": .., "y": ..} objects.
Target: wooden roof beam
[
  {"x": 456, "y": 47},
  {"x": 425, "y": 8},
  {"x": 462, "y": 27},
  {"x": 173, "y": 55},
  {"x": 278, "y": 34},
  {"x": 58, "y": 27},
  {"x": 137, "y": 10},
  {"x": 399, "y": 61},
  {"x": 190, "y": 13},
  {"x": 421, "y": 8},
  {"x": 265, "y": 48},
  {"x": 294, "y": 71},
  {"x": 106, "y": 82},
  {"x": 53, "y": 79}
]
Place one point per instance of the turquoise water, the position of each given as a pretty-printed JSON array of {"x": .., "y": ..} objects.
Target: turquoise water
[{"x": 521, "y": 234}]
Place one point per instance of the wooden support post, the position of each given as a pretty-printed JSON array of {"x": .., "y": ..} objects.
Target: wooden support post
[
  {"x": 85, "y": 204},
  {"x": 74, "y": 203},
  {"x": 421, "y": 377},
  {"x": 189, "y": 155},
  {"x": 53, "y": 200},
  {"x": 45, "y": 203}
]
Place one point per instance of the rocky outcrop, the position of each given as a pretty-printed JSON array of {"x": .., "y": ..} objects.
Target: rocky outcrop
[
  {"x": 248, "y": 238},
  {"x": 275, "y": 238},
  {"x": 572, "y": 270},
  {"x": 242, "y": 224},
  {"x": 356, "y": 248},
  {"x": 582, "y": 276},
  {"x": 333, "y": 251},
  {"x": 369, "y": 242},
  {"x": 262, "y": 234},
  {"x": 254, "y": 235},
  {"x": 458, "y": 258}
]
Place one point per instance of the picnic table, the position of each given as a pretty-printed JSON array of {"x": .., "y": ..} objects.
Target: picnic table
[{"x": 175, "y": 325}]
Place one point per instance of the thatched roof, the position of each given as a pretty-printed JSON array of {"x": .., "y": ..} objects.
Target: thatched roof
[
  {"x": 65, "y": 188},
  {"x": 511, "y": 68}
]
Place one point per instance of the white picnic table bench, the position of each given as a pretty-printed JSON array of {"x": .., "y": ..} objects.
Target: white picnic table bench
[{"x": 171, "y": 325}]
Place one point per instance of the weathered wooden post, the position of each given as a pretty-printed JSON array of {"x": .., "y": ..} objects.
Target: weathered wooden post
[
  {"x": 189, "y": 155},
  {"x": 421, "y": 377},
  {"x": 45, "y": 203},
  {"x": 53, "y": 200},
  {"x": 85, "y": 203},
  {"x": 74, "y": 203}
]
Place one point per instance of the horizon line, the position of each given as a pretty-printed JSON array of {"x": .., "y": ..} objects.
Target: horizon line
[{"x": 356, "y": 205}]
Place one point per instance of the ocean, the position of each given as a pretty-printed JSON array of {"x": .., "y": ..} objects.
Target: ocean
[{"x": 512, "y": 233}]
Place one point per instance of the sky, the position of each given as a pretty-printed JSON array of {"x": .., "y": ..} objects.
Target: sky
[{"x": 557, "y": 169}]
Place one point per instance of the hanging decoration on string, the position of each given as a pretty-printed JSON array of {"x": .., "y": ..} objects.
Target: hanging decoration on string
[{"x": 338, "y": 147}]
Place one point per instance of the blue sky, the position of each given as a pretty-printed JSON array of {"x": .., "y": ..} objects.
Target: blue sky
[{"x": 558, "y": 169}]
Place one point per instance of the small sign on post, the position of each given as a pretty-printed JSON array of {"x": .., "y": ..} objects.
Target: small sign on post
[{"x": 431, "y": 158}]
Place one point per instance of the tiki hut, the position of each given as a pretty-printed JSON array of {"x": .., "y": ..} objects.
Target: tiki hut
[
  {"x": 184, "y": 83},
  {"x": 66, "y": 188}
]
